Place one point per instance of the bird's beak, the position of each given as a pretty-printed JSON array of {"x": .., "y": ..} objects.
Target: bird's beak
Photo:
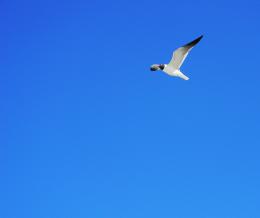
[{"x": 154, "y": 67}]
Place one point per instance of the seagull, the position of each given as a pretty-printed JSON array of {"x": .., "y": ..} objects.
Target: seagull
[{"x": 179, "y": 55}]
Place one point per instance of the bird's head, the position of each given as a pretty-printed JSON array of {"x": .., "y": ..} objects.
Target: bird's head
[{"x": 155, "y": 67}]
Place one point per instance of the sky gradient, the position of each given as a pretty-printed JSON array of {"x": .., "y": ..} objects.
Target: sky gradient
[{"x": 88, "y": 131}]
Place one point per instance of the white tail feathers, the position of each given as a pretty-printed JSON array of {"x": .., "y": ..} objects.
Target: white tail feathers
[{"x": 181, "y": 75}]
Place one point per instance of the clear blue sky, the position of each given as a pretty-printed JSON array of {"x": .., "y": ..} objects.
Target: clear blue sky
[{"x": 88, "y": 131}]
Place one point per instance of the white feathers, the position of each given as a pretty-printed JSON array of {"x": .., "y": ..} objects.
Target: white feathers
[{"x": 178, "y": 57}]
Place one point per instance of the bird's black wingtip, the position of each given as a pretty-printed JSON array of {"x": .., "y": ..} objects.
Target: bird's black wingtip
[{"x": 194, "y": 42}]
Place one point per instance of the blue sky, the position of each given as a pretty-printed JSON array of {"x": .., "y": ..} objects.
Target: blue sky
[{"x": 89, "y": 131}]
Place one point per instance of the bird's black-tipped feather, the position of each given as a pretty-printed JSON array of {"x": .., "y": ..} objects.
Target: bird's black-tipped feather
[{"x": 194, "y": 42}]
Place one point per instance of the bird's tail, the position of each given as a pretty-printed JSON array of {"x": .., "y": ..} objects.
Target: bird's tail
[{"x": 181, "y": 75}]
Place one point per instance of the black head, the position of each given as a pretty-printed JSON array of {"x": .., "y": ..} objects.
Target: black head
[
  {"x": 156, "y": 67},
  {"x": 161, "y": 66}
]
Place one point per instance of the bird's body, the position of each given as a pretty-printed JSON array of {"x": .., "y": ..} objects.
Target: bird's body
[
  {"x": 174, "y": 72},
  {"x": 179, "y": 55}
]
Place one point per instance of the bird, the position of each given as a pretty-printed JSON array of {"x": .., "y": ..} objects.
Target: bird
[{"x": 178, "y": 57}]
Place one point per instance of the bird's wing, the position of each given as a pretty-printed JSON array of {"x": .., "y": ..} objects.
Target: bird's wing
[{"x": 181, "y": 53}]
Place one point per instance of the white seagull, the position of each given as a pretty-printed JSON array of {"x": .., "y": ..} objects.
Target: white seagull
[{"x": 179, "y": 55}]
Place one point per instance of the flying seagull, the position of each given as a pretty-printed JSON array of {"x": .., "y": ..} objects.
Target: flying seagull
[{"x": 179, "y": 55}]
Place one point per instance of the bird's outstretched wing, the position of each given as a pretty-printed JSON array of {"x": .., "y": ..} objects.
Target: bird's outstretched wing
[{"x": 181, "y": 53}]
